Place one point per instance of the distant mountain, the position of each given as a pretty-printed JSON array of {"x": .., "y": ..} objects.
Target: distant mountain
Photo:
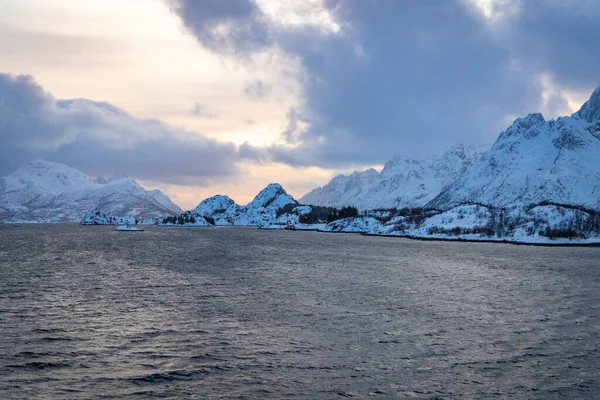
[
  {"x": 44, "y": 191},
  {"x": 271, "y": 197},
  {"x": 262, "y": 210},
  {"x": 344, "y": 190},
  {"x": 164, "y": 200},
  {"x": 535, "y": 161},
  {"x": 539, "y": 183},
  {"x": 272, "y": 208},
  {"x": 403, "y": 182}
]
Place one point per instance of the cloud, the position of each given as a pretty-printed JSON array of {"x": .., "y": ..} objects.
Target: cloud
[
  {"x": 200, "y": 110},
  {"x": 559, "y": 37},
  {"x": 101, "y": 139},
  {"x": 413, "y": 78},
  {"x": 253, "y": 153},
  {"x": 231, "y": 26},
  {"x": 257, "y": 90}
]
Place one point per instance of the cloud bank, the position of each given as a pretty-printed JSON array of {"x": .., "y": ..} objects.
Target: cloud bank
[
  {"x": 410, "y": 78},
  {"x": 101, "y": 139}
]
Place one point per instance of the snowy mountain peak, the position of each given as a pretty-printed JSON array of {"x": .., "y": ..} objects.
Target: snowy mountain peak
[
  {"x": 366, "y": 174},
  {"x": 118, "y": 177},
  {"x": 526, "y": 127},
  {"x": 590, "y": 110},
  {"x": 262, "y": 211},
  {"x": 403, "y": 182},
  {"x": 214, "y": 205},
  {"x": 273, "y": 196},
  {"x": 39, "y": 163},
  {"x": 536, "y": 161},
  {"x": 49, "y": 176},
  {"x": 406, "y": 168},
  {"x": 457, "y": 150},
  {"x": 40, "y": 166}
]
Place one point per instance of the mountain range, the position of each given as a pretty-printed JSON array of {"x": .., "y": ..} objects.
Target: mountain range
[
  {"x": 531, "y": 162},
  {"x": 43, "y": 191},
  {"x": 403, "y": 182},
  {"x": 546, "y": 174},
  {"x": 535, "y": 161},
  {"x": 263, "y": 211}
]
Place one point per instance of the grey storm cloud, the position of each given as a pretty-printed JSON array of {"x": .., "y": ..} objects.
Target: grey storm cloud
[
  {"x": 560, "y": 36},
  {"x": 231, "y": 26},
  {"x": 101, "y": 139},
  {"x": 410, "y": 77}
]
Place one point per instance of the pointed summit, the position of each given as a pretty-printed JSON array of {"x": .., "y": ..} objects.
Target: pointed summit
[
  {"x": 524, "y": 124},
  {"x": 457, "y": 150},
  {"x": 274, "y": 195},
  {"x": 590, "y": 110}
]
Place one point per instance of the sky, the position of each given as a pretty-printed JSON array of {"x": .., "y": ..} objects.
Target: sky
[{"x": 199, "y": 97}]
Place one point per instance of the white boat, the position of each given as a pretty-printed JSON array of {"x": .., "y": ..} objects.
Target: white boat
[{"x": 128, "y": 228}]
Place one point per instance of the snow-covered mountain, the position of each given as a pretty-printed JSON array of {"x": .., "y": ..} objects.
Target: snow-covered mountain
[
  {"x": 261, "y": 211},
  {"x": 343, "y": 190},
  {"x": 272, "y": 197},
  {"x": 539, "y": 183},
  {"x": 542, "y": 224},
  {"x": 44, "y": 191},
  {"x": 535, "y": 160},
  {"x": 403, "y": 182},
  {"x": 164, "y": 200},
  {"x": 265, "y": 210},
  {"x": 217, "y": 204}
]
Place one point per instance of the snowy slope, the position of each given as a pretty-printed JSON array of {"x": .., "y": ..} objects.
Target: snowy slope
[
  {"x": 343, "y": 190},
  {"x": 164, "y": 200},
  {"x": 545, "y": 224},
  {"x": 214, "y": 205},
  {"x": 43, "y": 191},
  {"x": 273, "y": 196},
  {"x": 40, "y": 180},
  {"x": 403, "y": 182},
  {"x": 535, "y": 160}
]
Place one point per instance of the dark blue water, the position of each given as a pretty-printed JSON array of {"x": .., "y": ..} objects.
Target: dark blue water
[{"x": 87, "y": 312}]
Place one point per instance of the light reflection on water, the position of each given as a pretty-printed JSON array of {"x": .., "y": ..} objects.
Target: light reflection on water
[{"x": 87, "y": 312}]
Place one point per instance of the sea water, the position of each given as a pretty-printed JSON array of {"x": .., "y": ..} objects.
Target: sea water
[{"x": 87, "y": 312}]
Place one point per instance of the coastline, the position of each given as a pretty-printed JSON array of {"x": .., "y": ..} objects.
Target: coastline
[
  {"x": 498, "y": 241},
  {"x": 548, "y": 243}
]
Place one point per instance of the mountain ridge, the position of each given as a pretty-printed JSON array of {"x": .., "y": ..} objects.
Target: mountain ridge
[
  {"x": 536, "y": 160},
  {"x": 403, "y": 182},
  {"x": 45, "y": 191}
]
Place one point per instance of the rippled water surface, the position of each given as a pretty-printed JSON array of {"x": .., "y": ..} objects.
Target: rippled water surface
[{"x": 87, "y": 312}]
